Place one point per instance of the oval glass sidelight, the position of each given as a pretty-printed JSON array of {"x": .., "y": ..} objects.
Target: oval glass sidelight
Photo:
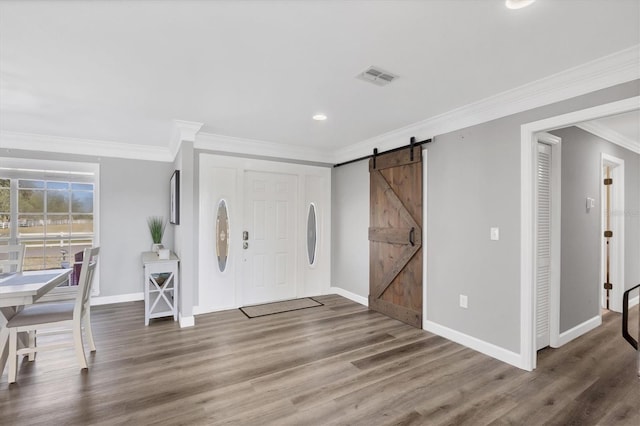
[
  {"x": 222, "y": 235},
  {"x": 312, "y": 234}
]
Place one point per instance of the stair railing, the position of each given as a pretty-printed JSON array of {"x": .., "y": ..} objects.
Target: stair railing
[{"x": 625, "y": 324}]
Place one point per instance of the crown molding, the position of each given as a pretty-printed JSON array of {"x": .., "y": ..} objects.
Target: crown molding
[
  {"x": 183, "y": 131},
  {"x": 617, "y": 68},
  {"x": 94, "y": 148},
  {"x": 233, "y": 145},
  {"x": 607, "y": 133}
]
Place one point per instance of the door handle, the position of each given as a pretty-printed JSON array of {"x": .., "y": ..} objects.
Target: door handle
[{"x": 412, "y": 236}]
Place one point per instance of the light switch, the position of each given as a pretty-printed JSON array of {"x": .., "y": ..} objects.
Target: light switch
[
  {"x": 495, "y": 234},
  {"x": 463, "y": 301}
]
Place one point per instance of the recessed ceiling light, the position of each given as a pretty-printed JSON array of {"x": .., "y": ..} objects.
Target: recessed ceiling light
[
  {"x": 518, "y": 4},
  {"x": 319, "y": 117}
]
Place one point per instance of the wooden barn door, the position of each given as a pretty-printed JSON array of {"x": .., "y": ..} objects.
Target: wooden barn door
[{"x": 395, "y": 235}]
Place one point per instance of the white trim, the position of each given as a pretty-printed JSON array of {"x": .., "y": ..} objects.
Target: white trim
[
  {"x": 528, "y": 147},
  {"x": 634, "y": 301},
  {"x": 119, "y": 298},
  {"x": 556, "y": 232},
  {"x": 425, "y": 174},
  {"x": 189, "y": 321},
  {"x": 183, "y": 131},
  {"x": 617, "y": 267},
  {"x": 607, "y": 133},
  {"x": 201, "y": 311},
  {"x": 579, "y": 330},
  {"x": 234, "y": 145},
  {"x": 94, "y": 148},
  {"x": 474, "y": 343},
  {"x": 617, "y": 68},
  {"x": 349, "y": 295}
]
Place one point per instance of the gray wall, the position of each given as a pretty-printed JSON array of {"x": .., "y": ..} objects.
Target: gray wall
[
  {"x": 130, "y": 191},
  {"x": 473, "y": 184},
  {"x": 581, "y": 237},
  {"x": 350, "y": 228}
]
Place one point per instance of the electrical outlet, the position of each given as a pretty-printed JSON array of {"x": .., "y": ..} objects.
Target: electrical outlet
[
  {"x": 495, "y": 234},
  {"x": 463, "y": 301}
]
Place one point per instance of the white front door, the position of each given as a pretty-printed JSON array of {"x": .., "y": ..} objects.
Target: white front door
[{"x": 269, "y": 237}]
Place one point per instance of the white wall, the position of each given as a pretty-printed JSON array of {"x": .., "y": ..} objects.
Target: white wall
[{"x": 222, "y": 177}]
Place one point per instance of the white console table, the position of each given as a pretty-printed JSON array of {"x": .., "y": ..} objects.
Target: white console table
[{"x": 160, "y": 286}]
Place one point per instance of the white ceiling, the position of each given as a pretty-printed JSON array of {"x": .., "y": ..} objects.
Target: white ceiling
[
  {"x": 123, "y": 71},
  {"x": 627, "y": 125}
]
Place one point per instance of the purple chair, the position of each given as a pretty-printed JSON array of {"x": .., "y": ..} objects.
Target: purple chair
[{"x": 77, "y": 266}]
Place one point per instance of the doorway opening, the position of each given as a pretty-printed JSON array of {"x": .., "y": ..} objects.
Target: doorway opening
[
  {"x": 612, "y": 247},
  {"x": 529, "y": 148}
]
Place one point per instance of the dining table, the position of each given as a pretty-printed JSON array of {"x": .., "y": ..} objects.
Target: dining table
[{"x": 18, "y": 289}]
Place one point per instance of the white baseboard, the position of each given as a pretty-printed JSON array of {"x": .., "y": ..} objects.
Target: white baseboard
[
  {"x": 189, "y": 321},
  {"x": 578, "y": 330},
  {"x": 476, "y": 344},
  {"x": 120, "y": 298},
  {"x": 351, "y": 296},
  {"x": 199, "y": 311},
  {"x": 634, "y": 301}
]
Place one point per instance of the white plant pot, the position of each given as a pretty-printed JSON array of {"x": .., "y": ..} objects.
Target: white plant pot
[
  {"x": 164, "y": 254},
  {"x": 156, "y": 247}
]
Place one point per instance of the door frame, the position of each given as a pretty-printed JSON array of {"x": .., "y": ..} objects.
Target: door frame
[
  {"x": 617, "y": 248},
  {"x": 222, "y": 176},
  {"x": 528, "y": 150},
  {"x": 556, "y": 233}
]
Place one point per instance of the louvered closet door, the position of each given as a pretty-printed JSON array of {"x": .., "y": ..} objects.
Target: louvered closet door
[{"x": 543, "y": 221}]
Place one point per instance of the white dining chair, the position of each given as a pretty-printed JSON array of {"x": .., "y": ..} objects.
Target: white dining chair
[
  {"x": 43, "y": 317},
  {"x": 11, "y": 257}
]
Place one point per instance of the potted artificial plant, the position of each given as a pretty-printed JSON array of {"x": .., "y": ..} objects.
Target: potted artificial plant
[{"x": 156, "y": 228}]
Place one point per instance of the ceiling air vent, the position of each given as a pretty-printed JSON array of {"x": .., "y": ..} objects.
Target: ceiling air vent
[{"x": 377, "y": 76}]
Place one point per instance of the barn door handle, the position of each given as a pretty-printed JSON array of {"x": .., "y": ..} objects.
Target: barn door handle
[{"x": 412, "y": 236}]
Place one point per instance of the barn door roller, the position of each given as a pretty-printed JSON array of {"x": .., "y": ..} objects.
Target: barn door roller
[{"x": 412, "y": 144}]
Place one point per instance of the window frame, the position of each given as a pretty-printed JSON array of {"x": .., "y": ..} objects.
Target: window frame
[{"x": 48, "y": 170}]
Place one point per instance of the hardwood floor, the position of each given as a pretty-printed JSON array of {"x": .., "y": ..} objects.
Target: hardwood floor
[{"x": 335, "y": 364}]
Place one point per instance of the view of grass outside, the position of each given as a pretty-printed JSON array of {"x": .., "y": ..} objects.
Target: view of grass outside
[{"x": 54, "y": 220}]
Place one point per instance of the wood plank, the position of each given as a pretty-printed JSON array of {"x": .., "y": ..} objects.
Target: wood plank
[
  {"x": 391, "y": 235},
  {"x": 383, "y": 283},
  {"x": 335, "y": 364},
  {"x": 394, "y": 201},
  {"x": 401, "y": 313}
]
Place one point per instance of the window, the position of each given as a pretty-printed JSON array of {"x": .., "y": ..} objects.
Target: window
[
  {"x": 5, "y": 208},
  {"x": 52, "y": 211}
]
